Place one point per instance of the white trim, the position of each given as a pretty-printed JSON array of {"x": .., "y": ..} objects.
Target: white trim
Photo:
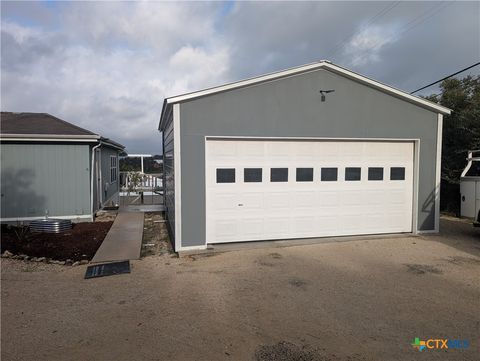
[
  {"x": 388, "y": 89},
  {"x": 72, "y": 217},
  {"x": 416, "y": 182},
  {"x": 192, "y": 248},
  {"x": 177, "y": 177},
  {"x": 311, "y": 67},
  {"x": 100, "y": 178},
  {"x": 92, "y": 173},
  {"x": 205, "y": 184},
  {"x": 470, "y": 159},
  {"x": 428, "y": 231},
  {"x": 214, "y": 137},
  {"x": 93, "y": 137},
  {"x": 29, "y": 139},
  {"x": 416, "y": 164},
  {"x": 438, "y": 172},
  {"x": 137, "y": 156}
]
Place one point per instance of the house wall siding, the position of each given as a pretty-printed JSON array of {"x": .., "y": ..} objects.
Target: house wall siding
[
  {"x": 291, "y": 107},
  {"x": 38, "y": 177},
  {"x": 109, "y": 189}
]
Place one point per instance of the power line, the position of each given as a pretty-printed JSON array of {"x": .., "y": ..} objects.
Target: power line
[
  {"x": 426, "y": 15},
  {"x": 377, "y": 16},
  {"x": 438, "y": 81}
]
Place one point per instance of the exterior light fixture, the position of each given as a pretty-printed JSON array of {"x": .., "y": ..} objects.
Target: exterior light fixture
[{"x": 323, "y": 92}]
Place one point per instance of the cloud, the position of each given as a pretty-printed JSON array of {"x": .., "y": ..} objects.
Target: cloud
[
  {"x": 107, "y": 66},
  {"x": 366, "y": 46},
  {"x": 110, "y": 74}
]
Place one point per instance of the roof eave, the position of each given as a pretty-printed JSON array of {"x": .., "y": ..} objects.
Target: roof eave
[
  {"x": 302, "y": 69},
  {"x": 112, "y": 143},
  {"x": 388, "y": 89},
  {"x": 50, "y": 137}
]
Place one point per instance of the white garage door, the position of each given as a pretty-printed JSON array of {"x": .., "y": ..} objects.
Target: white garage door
[{"x": 263, "y": 190}]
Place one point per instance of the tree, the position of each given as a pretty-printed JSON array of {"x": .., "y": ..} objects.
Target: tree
[{"x": 461, "y": 129}]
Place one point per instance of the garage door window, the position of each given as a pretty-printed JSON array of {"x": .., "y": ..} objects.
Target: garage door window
[
  {"x": 304, "y": 174},
  {"x": 329, "y": 174},
  {"x": 251, "y": 175},
  {"x": 397, "y": 173},
  {"x": 375, "y": 174},
  {"x": 353, "y": 173},
  {"x": 225, "y": 175},
  {"x": 279, "y": 175}
]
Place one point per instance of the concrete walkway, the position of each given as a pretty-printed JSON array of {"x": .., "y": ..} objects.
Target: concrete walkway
[{"x": 124, "y": 240}]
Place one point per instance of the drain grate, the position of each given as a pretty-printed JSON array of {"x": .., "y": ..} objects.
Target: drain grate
[{"x": 107, "y": 269}]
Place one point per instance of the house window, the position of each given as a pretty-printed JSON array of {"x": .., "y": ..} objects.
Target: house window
[
  {"x": 225, "y": 175},
  {"x": 278, "y": 174},
  {"x": 113, "y": 168},
  {"x": 304, "y": 174},
  {"x": 329, "y": 174},
  {"x": 251, "y": 175},
  {"x": 353, "y": 173},
  {"x": 375, "y": 174}
]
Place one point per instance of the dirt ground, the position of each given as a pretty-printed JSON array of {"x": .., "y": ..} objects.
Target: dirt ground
[
  {"x": 356, "y": 300},
  {"x": 155, "y": 236},
  {"x": 79, "y": 243}
]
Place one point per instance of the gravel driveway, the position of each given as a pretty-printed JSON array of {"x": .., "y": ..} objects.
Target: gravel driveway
[{"x": 358, "y": 300}]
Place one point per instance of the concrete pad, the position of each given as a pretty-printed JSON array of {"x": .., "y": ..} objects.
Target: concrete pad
[{"x": 123, "y": 241}]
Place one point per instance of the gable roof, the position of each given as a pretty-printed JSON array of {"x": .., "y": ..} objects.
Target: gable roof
[
  {"x": 323, "y": 64},
  {"x": 44, "y": 127},
  {"x": 38, "y": 123}
]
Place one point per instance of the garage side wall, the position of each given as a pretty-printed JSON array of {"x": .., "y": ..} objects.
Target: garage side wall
[
  {"x": 169, "y": 173},
  {"x": 39, "y": 177},
  {"x": 291, "y": 107}
]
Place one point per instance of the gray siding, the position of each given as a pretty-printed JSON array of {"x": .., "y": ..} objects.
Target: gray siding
[
  {"x": 169, "y": 173},
  {"x": 291, "y": 107},
  {"x": 109, "y": 188},
  {"x": 37, "y": 177}
]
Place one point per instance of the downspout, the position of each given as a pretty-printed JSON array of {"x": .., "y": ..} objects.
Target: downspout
[
  {"x": 118, "y": 179},
  {"x": 92, "y": 175}
]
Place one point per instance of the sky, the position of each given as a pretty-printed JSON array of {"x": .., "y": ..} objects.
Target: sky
[{"x": 107, "y": 66}]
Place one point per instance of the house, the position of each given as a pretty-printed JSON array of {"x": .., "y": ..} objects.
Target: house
[
  {"x": 312, "y": 151},
  {"x": 50, "y": 166}
]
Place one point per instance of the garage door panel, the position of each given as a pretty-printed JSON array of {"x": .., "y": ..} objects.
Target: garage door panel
[
  {"x": 304, "y": 226},
  {"x": 252, "y": 200},
  {"x": 225, "y": 202},
  {"x": 328, "y": 199},
  {"x": 252, "y": 227},
  {"x": 352, "y": 198},
  {"x": 225, "y": 230},
  {"x": 304, "y": 199},
  {"x": 242, "y": 211},
  {"x": 277, "y": 201},
  {"x": 277, "y": 226}
]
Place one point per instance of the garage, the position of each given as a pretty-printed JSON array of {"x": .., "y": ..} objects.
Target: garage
[
  {"x": 277, "y": 189},
  {"x": 308, "y": 152}
]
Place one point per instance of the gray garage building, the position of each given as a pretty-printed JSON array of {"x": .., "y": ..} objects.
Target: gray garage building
[
  {"x": 279, "y": 157},
  {"x": 46, "y": 166}
]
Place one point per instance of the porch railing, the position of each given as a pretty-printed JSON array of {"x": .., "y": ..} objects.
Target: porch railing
[{"x": 135, "y": 182}]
